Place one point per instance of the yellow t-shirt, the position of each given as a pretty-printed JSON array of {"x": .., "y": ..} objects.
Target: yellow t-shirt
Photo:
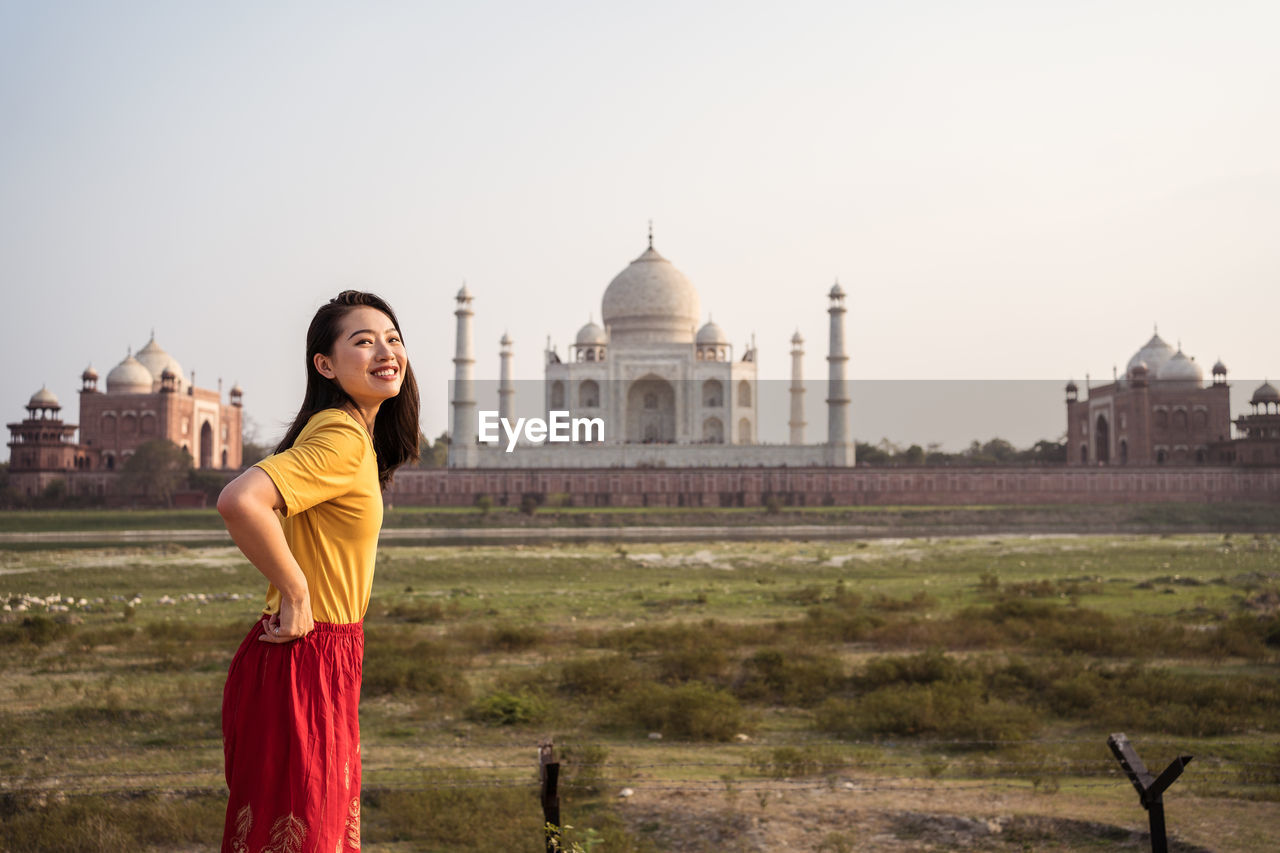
[{"x": 332, "y": 515}]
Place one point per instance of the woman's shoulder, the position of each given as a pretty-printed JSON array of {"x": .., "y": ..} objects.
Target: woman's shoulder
[{"x": 334, "y": 424}]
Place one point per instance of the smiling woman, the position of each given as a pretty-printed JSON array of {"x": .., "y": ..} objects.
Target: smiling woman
[{"x": 290, "y": 722}]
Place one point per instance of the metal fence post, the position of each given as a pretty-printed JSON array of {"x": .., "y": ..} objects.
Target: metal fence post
[
  {"x": 549, "y": 776},
  {"x": 1150, "y": 789}
]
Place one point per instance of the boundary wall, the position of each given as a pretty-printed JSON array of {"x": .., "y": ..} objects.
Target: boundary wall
[{"x": 724, "y": 487}]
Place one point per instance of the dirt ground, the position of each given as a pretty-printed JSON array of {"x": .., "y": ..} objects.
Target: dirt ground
[{"x": 836, "y": 819}]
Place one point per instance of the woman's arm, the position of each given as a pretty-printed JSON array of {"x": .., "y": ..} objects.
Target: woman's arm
[{"x": 248, "y": 505}]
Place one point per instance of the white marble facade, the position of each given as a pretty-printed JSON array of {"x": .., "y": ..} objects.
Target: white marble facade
[{"x": 671, "y": 392}]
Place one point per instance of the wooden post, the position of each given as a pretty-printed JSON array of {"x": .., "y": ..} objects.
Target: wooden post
[{"x": 549, "y": 776}]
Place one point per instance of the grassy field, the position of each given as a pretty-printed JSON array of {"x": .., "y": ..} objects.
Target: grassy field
[
  {"x": 897, "y": 683},
  {"x": 1097, "y": 518}
]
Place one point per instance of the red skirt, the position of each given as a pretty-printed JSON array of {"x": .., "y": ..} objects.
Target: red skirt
[{"x": 291, "y": 738}]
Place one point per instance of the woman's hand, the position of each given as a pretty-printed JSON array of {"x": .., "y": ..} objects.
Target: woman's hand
[
  {"x": 293, "y": 622},
  {"x": 248, "y": 505}
]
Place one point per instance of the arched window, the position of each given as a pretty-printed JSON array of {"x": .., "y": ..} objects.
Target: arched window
[
  {"x": 712, "y": 394},
  {"x": 129, "y": 424},
  {"x": 1180, "y": 419},
  {"x": 109, "y": 424},
  {"x": 744, "y": 393},
  {"x": 650, "y": 400},
  {"x": 1162, "y": 419},
  {"x": 557, "y": 394},
  {"x": 589, "y": 394},
  {"x": 1084, "y": 454},
  {"x": 1124, "y": 452},
  {"x": 713, "y": 431},
  {"x": 1201, "y": 419},
  {"x": 744, "y": 431}
]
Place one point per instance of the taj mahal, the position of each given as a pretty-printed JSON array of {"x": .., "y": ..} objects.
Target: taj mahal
[{"x": 670, "y": 392}]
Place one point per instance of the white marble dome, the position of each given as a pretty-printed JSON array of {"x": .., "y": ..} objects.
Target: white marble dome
[
  {"x": 129, "y": 377},
  {"x": 1154, "y": 354},
  {"x": 1179, "y": 368},
  {"x": 43, "y": 399},
  {"x": 157, "y": 361},
  {"x": 712, "y": 335},
  {"x": 591, "y": 335},
  {"x": 651, "y": 301}
]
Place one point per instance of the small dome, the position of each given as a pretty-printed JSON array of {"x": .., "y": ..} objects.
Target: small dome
[
  {"x": 591, "y": 335},
  {"x": 1219, "y": 369},
  {"x": 168, "y": 374},
  {"x": 1179, "y": 368},
  {"x": 89, "y": 374},
  {"x": 651, "y": 300},
  {"x": 1265, "y": 393},
  {"x": 129, "y": 377},
  {"x": 236, "y": 390},
  {"x": 464, "y": 295},
  {"x": 796, "y": 339},
  {"x": 1138, "y": 369},
  {"x": 43, "y": 399},
  {"x": 157, "y": 361},
  {"x": 1154, "y": 352},
  {"x": 836, "y": 291},
  {"x": 506, "y": 340},
  {"x": 1071, "y": 386},
  {"x": 712, "y": 335}
]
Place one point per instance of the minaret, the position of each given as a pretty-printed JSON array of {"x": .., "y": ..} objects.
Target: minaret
[
  {"x": 839, "y": 430},
  {"x": 506, "y": 389},
  {"x": 462, "y": 435},
  {"x": 797, "y": 389}
]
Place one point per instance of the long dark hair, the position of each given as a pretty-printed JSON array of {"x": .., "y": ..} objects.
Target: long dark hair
[{"x": 395, "y": 430}]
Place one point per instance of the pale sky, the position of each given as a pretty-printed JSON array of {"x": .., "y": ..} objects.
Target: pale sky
[{"x": 1006, "y": 190}]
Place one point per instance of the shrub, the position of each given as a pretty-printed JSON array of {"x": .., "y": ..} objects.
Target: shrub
[
  {"x": 424, "y": 667},
  {"x": 693, "y": 662},
  {"x": 945, "y": 710},
  {"x": 789, "y": 677},
  {"x": 691, "y": 711},
  {"x": 600, "y": 676},
  {"x": 501, "y": 708},
  {"x": 416, "y": 612},
  {"x": 514, "y": 638},
  {"x": 36, "y": 629},
  {"x": 924, "y": 668},
  {"x": 582, "y": 767},
  {"x": 484, "y": 503}
]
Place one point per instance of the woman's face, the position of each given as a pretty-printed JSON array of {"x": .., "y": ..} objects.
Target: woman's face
[{"x": 368, "y": 359}]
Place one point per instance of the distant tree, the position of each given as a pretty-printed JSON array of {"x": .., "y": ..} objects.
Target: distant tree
[
  {"x": 870, "y": 454},
  {"x": 253, "y": 447},
  {"x": 999, "y": 450},
  {"x": 155, "y": 471},
  {"x": 433, "y": 455},
  {"x": 913, "y": 455},
  {"x": 1045, "y": 452},
  {"x": 54, "y": 494}
]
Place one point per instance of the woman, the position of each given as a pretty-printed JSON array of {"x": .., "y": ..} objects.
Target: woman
[{"x": 289, "y": 710}]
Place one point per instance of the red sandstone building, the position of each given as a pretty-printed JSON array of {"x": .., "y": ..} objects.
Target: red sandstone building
[
  {"x": 146, "y": 398},
  {"x": 1161, "y": 412}
]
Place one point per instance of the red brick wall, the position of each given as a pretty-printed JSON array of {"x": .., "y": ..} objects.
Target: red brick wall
[{"x": 711, "y": 487}]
